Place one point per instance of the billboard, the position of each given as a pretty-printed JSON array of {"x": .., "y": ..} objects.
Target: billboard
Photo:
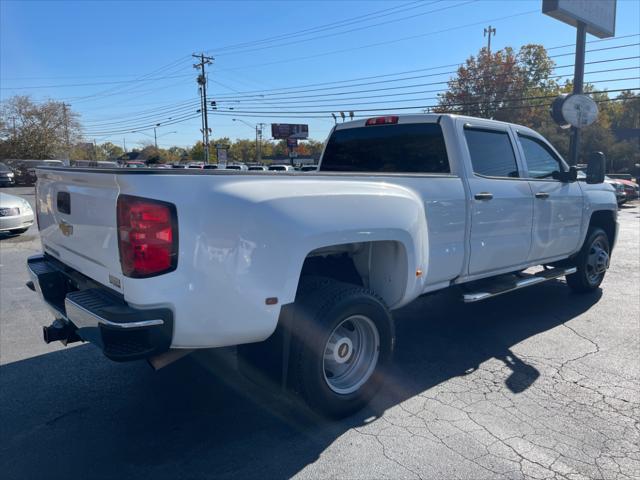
[
  {"x": 281, "y": 131},
  {"x": 599, "y": 16}
]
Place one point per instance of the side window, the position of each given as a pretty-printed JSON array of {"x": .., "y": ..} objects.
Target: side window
[
  {"x": 491, "y": 153},
  {"x": 541, "y": 161}
]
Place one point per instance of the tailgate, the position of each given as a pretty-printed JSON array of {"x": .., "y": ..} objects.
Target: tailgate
[{"x": 77, "y": 221}]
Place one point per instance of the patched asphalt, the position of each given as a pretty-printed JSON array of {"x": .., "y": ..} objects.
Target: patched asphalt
[{"x": 540, "y": 383}]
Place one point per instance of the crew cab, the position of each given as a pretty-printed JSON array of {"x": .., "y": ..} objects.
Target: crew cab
[{"x": 302, "y": 271}]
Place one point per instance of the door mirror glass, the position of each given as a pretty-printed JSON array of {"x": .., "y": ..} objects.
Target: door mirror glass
[{"x": 596, "y": 168}]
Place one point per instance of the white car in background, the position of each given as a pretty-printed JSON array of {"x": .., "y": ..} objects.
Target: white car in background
[
  {"x": 281, "y": 168},
  {"x": 16, "y": 215}
]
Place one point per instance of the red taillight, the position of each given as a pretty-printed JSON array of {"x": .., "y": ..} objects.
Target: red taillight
[
  {"x": 382, "y": 120},
  {"x": 147, "y": 236}
]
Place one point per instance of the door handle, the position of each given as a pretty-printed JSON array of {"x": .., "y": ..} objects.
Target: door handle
[
  {"x": 483, "y": 196},
  {"x": 542, "y": 195}
]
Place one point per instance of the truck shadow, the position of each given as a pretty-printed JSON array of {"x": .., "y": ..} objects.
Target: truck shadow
[{"x": 72, "y": 413}]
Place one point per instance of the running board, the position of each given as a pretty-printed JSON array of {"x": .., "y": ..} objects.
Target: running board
[{"x": 530, "y": 280}]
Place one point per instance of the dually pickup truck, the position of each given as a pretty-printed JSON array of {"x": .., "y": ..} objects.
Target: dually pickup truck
[{"x": 301, "y": 271}]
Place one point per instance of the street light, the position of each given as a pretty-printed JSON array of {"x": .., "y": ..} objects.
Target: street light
[
  {"x": 155, "y": 135},
  {"x": 258, "y": 127}
]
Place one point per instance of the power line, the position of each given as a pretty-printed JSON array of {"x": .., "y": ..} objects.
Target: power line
[
  {"x": 440, "y": 90},
  {"x": 256, "y": 93},
  {"x": 311, "y": 30},
  {"x": 386, "y": 42},
  {"x": 192, "y": 104},
  {"x": 68, "y": 85},
  {"x": 320, "y": 37},
  {"x": 409, "y": 107},
  {"x": 307, "y": 96}
]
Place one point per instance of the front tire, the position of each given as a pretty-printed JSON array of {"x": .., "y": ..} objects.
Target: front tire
[
  {"x": 342, "y": 343},
  {"x": 591, "y": 263},
  {"x": 18, "y": 231}
]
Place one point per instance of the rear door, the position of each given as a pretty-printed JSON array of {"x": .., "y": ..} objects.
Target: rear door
[
  {"x": 557, "y": 206},
  {"x": 501, "y": 199}
]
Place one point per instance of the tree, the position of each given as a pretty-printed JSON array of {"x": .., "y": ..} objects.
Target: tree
[
  {"x": 243, "y": 150},
  {"x": 36, "y": 130},
  {"x": 110, "y": 151},
  {"x": 197, "y": 152},
  {"x": 519, "y": 89},
  {"x": 493, "y": 85}
]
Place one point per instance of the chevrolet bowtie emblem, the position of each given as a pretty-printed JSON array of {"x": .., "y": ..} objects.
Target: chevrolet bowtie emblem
[{"x": 65, "y": 228}]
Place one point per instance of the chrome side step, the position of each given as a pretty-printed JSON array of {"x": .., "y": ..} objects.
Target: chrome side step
[{"x": 500, "y": 288}]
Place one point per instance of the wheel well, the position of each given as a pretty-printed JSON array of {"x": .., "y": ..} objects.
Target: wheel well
[
  {"x": 380, "y": 266},
  {"x": 605, "y": 219}
]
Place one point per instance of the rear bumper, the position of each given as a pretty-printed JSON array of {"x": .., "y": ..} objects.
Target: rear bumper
[{"x": 98, "y": 315}]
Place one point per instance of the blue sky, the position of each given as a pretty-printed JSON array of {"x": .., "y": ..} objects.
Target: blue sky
[{"x": 77, "y": 51}]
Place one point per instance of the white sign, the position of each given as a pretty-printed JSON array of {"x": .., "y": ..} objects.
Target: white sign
[
  {"x": 579, "y": 110},
  {"x": 599, "y": 16},
  {"x": 222, "y": 157}
]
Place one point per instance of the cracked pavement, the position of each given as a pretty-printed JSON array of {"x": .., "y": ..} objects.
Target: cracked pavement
[{"x": 540, "y": 383}]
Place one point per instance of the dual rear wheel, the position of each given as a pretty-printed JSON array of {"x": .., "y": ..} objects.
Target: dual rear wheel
[{"x": 341, "y": 344}]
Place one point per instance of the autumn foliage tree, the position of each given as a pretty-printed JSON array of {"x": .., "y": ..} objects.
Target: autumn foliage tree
[
  {"x": 519, "y": 88},
  {"x": 30, "y": 130},
  {"x": 493, "y": 85}
]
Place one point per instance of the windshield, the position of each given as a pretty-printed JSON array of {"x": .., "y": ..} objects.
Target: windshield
[
  {"x": 4, "y": 168},
  {"x": 408, "y": 148}
]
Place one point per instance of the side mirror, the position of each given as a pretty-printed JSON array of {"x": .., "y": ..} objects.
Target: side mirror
[
  {"x": 570, "y": 176},
  {"x": 596, "y": 168}
]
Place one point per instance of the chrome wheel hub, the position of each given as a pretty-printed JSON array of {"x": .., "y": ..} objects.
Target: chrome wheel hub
[
  {"x": 351, "y": 354},
  {"x": 597, "y": 261}
]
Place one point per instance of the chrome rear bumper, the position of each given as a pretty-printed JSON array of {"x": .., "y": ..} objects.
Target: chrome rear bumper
[{"x": 98, "y": 315}]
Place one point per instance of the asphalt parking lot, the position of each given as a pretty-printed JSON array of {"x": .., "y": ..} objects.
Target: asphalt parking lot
[{"x": 540, "y": 383}]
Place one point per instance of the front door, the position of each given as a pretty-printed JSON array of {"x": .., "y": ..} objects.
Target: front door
[
  {"x": 557, "y": 206},
  {"x": 501, "y": 201}
]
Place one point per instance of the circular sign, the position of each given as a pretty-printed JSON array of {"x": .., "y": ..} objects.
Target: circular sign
[{"x": 574, "y": 110}]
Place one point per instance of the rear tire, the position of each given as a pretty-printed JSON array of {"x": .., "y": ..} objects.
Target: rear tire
[
  {"x": 591, "y": 263},
  {"x": 342, "y": 342}
]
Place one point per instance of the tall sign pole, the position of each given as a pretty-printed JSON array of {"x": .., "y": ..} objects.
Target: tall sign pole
[
  {"x": 578, "y": 85},
  {"x": 597, "y": 17}
]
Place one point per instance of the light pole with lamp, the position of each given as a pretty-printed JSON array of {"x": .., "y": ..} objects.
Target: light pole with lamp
[{"x": 258, "y": 128}]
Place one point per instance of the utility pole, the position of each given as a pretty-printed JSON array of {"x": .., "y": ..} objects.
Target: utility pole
[
  {"x": 155, "y": 137},
  {"x": 488, "y": 31},
  {"x": 66, "y": 129},
  {"x": 578, "y": 81},
  {"x": 124, "y": 144},
  {"x": 202, "y": 82},
  {"x": 259, "y": 128}
]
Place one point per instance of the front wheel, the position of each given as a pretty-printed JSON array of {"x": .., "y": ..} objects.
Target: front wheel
[
  {"x": 18, "y": 231},
  {"x": 342, "y": 341},
  {"x": 592, "y": 262}
]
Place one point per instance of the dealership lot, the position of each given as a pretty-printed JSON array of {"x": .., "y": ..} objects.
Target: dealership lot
[{"x": 540, "y": 383}]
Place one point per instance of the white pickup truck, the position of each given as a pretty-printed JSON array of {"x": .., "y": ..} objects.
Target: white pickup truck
[{"x": 303, "y": 270}]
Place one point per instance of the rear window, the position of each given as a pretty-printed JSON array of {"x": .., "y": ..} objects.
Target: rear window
[
  {"x": 491, "y": 153},
  {"x": 4, "y": 168},
  {"x": 405, "y": 148}
]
